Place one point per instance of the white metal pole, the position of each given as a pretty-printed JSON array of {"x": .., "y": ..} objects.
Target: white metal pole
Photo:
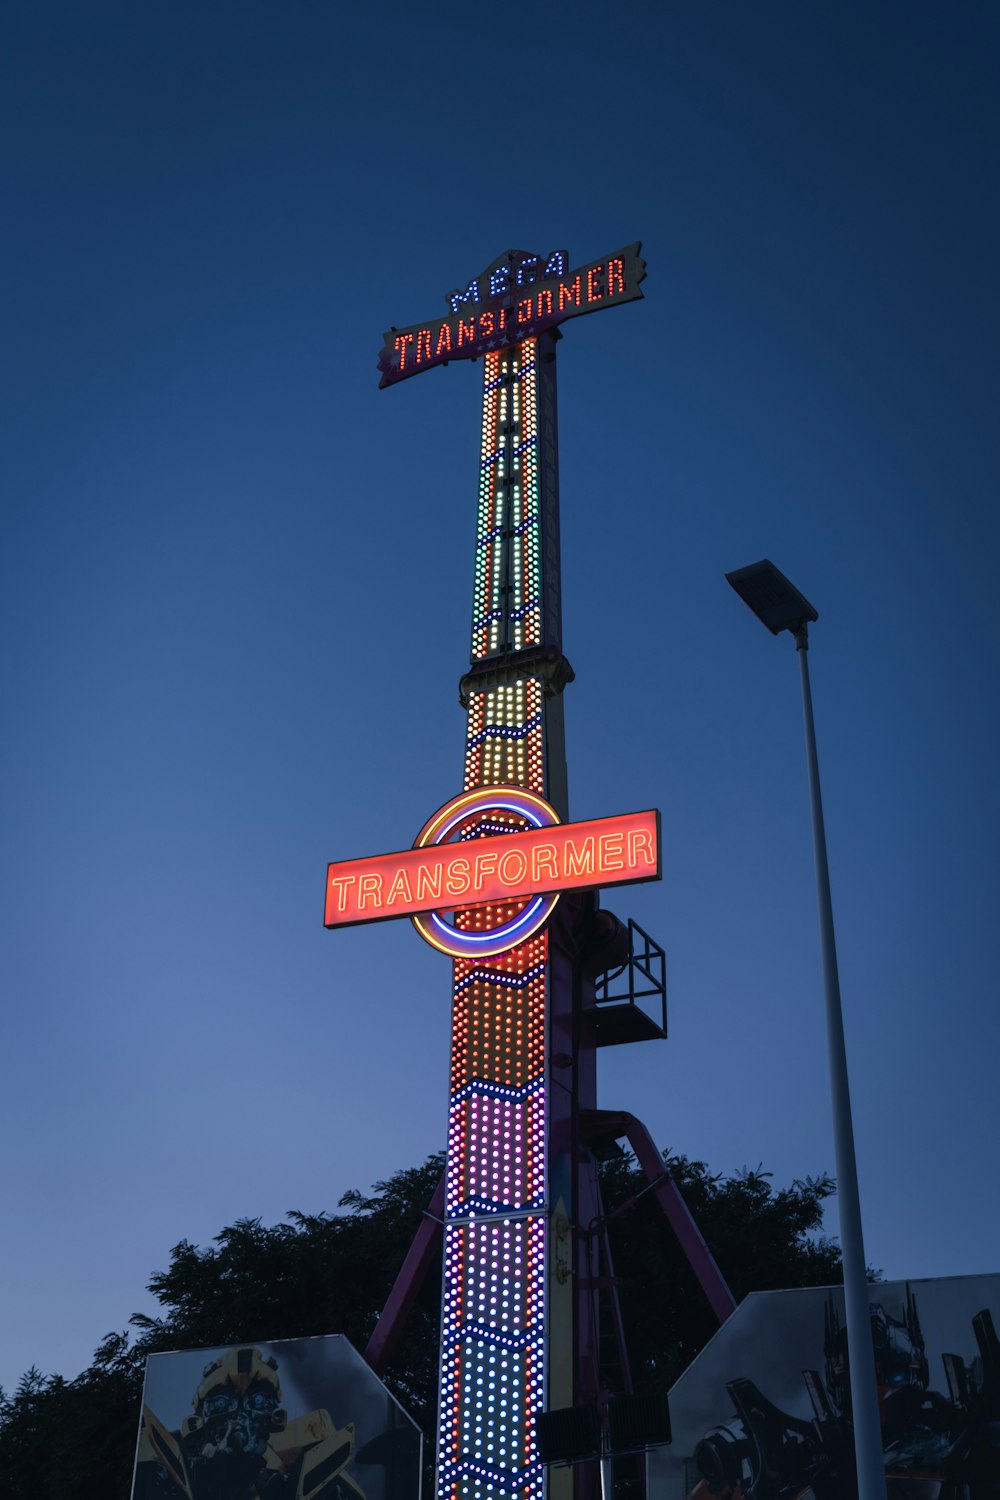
[{"x": 864, "y": 1395}]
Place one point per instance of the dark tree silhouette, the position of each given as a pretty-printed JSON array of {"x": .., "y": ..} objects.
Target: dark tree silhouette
[
  {"x": 331, "y": 1273},
  {"x": 761, "y": 1239}
]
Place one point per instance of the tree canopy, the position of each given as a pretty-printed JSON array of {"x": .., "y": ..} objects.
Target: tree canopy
[{"x": 331, "y": 1273}]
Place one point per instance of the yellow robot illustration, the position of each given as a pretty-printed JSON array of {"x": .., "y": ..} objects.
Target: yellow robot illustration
[{"x": 239, "y": 1444}]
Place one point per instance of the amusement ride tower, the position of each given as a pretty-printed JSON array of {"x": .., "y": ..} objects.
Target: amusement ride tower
[{"x": 527, "y": 1268}]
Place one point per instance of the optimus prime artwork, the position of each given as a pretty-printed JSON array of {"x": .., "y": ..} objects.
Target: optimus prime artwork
[
  {"x": 293, "y": 1419},
  {"x": 764, "y": 1412},
  {"x": 500, "y": 881}
]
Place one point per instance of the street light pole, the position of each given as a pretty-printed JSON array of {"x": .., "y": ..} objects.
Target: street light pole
[
  {"x": 864, "y": 1395},
  {"x": 780, "y": 606}
]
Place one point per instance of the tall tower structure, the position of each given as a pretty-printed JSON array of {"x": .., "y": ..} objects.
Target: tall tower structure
[
  {"x": 495, "y": 1302},
  {"x": 519, "y": 1207}
]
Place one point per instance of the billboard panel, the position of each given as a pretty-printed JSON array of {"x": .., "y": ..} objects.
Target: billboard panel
[
  {"x": 763, "y": 1413},
  {"x": 292, "y": 1419}
]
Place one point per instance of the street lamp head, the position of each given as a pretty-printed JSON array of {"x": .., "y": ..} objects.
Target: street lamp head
[{"x": 776, "y": 602}]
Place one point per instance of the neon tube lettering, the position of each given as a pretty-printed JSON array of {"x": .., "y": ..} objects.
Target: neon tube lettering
[
  {"x": 520, "y": 867},
  {"x": 640, "y": 841},
  {"x": 485, "y": 864},
  {"x": 611, "y": 851},
  {"x": 340, "y": 884},
  {"x": 400, "y": 888},
  {"x": 544, "y": 862},
  {"x": 370, "y": 889},
  {"x": 580, "y": 860},
  {"x": 429, "y": 883},
  {"x": 457, "y": 880}
]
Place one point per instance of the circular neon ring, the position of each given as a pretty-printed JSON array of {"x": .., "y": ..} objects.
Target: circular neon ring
[{"x": 432, "y": 926}]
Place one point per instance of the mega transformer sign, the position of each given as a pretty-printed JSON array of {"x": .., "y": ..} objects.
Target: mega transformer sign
[{"x": 515, "y": 298}]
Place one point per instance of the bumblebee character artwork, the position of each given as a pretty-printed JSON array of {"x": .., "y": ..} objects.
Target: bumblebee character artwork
[
  {"x": 936, "y": 1447},
  {"x": 240, "y": 1444}
]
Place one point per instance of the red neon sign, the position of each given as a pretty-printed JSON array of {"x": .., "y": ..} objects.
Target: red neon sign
[{"x": 620, "y": 850}]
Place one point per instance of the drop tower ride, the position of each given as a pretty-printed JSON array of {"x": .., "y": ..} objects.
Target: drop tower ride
[{"x": 528, "y": 1280}]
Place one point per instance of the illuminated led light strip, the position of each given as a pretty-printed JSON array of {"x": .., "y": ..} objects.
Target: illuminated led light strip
[
  {"x": 488, "y": 1333},
  {"x": 506, "y": 981},
  {"x": 477, "y": 1217},
  {"x": 527, "y": 625},
  {"x": 485, "y": 826},
  {"x": 527, "y": 804},
  {"x": 483, "y": 1089},
  {"x": 528, "y": 630},
  {"x": 495, "y": 1476},
  {"x": 502, "y": 732},
  {"x": 517, "y": 531},
  {"x": 487, "y": 637},
  {"x": 476, "y": 1210}
]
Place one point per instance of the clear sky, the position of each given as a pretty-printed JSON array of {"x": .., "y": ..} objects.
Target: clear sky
[{"x": 236, "y": 588}]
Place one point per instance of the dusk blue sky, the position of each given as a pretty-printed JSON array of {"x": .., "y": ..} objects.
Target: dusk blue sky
[{"x": 237, "y": 577}]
